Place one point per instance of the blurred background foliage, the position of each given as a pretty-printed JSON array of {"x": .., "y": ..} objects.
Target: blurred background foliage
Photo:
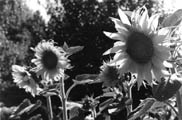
[{"x": 76, "y": 22}]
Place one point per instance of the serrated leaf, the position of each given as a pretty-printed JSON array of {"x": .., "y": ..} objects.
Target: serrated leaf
[
  {"x": 166, "y": 88},
  {"x": 144, "y": 106},
  {"x": 173, "y": 19}
]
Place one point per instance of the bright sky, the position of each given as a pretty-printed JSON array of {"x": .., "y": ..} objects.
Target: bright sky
[
  {"x": 172, "y": 5},
  {"x": 39, "y": 5}
]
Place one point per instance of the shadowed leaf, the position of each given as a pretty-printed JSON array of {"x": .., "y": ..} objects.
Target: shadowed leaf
[{"x": 173, "y": 20}]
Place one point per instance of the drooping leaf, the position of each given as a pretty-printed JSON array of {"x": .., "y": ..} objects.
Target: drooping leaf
[
  {"x": 166, "y": 88},
  {"x": 173, "y": 19}
]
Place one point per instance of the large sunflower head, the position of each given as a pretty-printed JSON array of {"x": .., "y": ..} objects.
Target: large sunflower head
[
  {"x": 50, "y": 61},
  {"x": 23, "y": 79},
  {"x": 140, "y": 45}
]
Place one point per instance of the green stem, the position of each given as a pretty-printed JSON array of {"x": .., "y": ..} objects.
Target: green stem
[
  {"x": 179, "y": 105},
  {"x": 63, "y": 97},
  {"x": 49, "y": 105},
  {"x": 69, "y": 90},
  {"x": 130, "y": 97},
  {"x": 94, "y": 113}
]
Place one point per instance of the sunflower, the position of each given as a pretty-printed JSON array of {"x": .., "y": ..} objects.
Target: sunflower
[
  {"x": 50, "y": 61},
  {"x": 23, "y": 79},
  {"x": 109, "y": 75},
  {"x": 140, "y": 47}
]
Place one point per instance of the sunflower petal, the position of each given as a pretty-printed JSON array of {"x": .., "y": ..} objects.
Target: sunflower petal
[
  {"x": 143, "y": 21},
  {"x": 153, "y": 22},
  {"x": 123, "y": 17},
  {"x": 112, "y": 50},
  {"x": 148, "y": 74},
  {"x": 118, "y": 25},
  {"x": 123, "y": 66},
  {"x": 157, "y": 73},
  {"x": 163, "y": 31},
  {"x": 115, "y": 36},
  {"x": 119, "y": 43}
]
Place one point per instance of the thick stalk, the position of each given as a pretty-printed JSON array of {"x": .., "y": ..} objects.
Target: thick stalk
[
  {"x": 69, "y": 90},
  {"x": 130, "y": 97},
  {"x": 49, "y": 106},
  {"x": 63, "y": 97}
]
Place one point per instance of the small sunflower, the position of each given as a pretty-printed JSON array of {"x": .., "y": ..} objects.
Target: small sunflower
[
  {"x": 23, "y": 79},
  {"x": 109, "y": 75},
  {"x": 140, "y": 47},
  {"x": 50, "y": 61}
]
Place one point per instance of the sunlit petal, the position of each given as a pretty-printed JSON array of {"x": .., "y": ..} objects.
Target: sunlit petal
[{"x": 123, "y": 17}]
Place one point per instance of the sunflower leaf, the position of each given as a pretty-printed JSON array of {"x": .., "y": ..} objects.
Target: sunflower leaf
[
  {"x": 143, "y": 107},
  {"x": 173, "y": 19},
  {"x": 166, "y": 88},
  {"x": 25, "y": 108},
  {"x": 72, "y": 50},
  {"x": 23, "y": 105},
  {"x": 86, "y": 78}
]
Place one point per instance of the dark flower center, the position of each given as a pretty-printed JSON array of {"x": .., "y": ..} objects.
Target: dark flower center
[
  {"x": 49, "y": 59},
  {"x": 139, "y": 47}
]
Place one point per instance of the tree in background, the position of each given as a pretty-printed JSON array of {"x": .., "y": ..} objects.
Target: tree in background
[{"x": 19, "y": 28}]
